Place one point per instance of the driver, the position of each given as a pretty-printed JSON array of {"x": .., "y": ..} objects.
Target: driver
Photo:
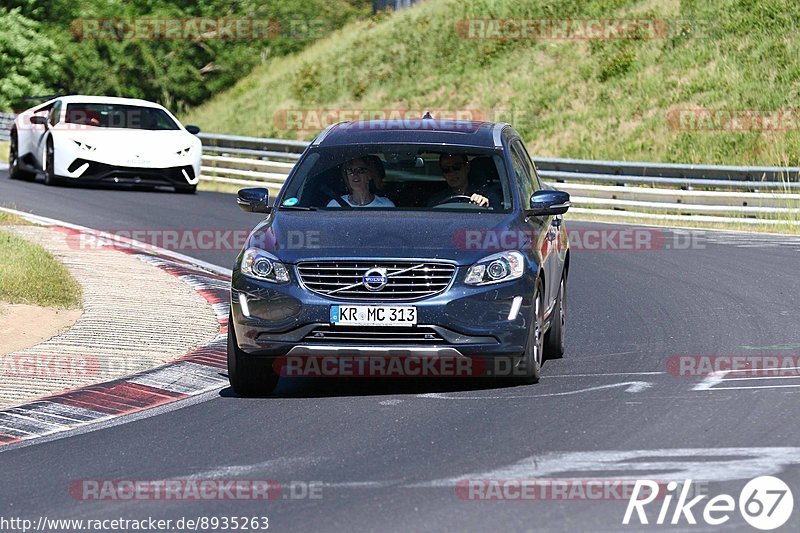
[
  {"x": 455, "y": 169},
  {"x": 357, "y": 174}
]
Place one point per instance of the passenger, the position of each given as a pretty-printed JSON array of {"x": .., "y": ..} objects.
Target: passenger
[
  {"x": 357, "y": 174},
  {"x": 455, "y": 169}
]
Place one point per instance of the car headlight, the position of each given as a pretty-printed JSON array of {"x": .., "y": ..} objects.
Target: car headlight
[
  {"x": 496, "y": 268},
  {"x": 83, "y": 146},
  {"x": 185, "y": 152},
  {"x": 260, "y": 265}
]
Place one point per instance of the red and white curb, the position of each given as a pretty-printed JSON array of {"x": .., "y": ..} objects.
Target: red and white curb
[{"x": 197, "y": 372}]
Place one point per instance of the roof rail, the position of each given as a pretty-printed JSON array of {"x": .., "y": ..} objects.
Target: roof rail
[
  {"x": 497, "y": 133},
  {"x": 321, "y": 137}
]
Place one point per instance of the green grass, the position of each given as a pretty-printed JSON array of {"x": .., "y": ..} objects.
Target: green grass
[
  {"x": 784, "y": 229},
  {"x": 583, "y": 99},
  {"x": 213, "y": 186},
  {"x": 3, "y": 151},
  {"x": 30, "y": 275},
  {"x": 7, "y": 219}
]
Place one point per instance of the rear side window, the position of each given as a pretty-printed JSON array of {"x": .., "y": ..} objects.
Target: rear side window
[
  {"x": 526, "y": 158},
  {"x": 522, "y": 177}
]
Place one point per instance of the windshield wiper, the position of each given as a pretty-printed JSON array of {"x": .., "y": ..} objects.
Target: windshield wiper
[{"x": 297, "y": 208}]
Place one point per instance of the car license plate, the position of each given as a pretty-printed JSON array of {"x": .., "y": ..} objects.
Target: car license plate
[{"x": 373, "y": 315}]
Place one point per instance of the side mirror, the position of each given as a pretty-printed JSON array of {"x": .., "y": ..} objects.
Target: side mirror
[
  {"x": 546, "y": 202},
  {"x": 254, "y": 200},
  {"x": 38, "y": 119},
  {"x": 194, "y": 130}
]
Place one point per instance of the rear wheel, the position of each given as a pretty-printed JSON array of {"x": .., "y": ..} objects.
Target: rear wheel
[
  {"x": 554, "y": 343},
  {"x": 14, "y": 172},
  {"x": 531, "y": 363},
  {"x": 248, "y": 375},
  {"x": 49, "y": 164}
]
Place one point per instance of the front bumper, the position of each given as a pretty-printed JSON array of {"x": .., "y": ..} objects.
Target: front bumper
[
  {"x": 85, "y": 170},
  {"x": 461, "y": 321}
]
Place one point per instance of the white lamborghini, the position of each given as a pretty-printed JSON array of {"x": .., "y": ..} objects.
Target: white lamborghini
[{"x": 105, "y": 140}]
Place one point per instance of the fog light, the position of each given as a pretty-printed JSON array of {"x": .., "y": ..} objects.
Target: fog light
[
  {"x": 515, "y": 305},
  {"x": 243, "y": 304}
]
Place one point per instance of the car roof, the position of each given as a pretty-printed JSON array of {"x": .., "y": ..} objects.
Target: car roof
[
  {"x": 413, "y": 131},
  {"x": 85, "y": 99}
]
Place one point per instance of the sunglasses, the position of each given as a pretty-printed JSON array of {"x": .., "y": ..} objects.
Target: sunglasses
[
  {"x": 357, "y": 170},
  {"x": 458, "y": 167}
]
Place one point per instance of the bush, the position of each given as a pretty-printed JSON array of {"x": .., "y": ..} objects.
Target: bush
[{"x": 29, "y": 62}]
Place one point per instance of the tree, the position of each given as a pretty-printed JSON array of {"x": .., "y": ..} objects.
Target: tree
[{"x": 30, "y": 64}]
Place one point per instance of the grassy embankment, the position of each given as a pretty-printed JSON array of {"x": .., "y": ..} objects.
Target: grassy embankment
[
  {"x": 593, "y": 99},
  {"x": 30, "y": 275}
]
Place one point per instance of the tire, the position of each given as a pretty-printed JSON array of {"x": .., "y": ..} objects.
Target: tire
[
  {"x": 14, "y": 172},
  {"x": 50, "y": 171},
  {"x": 186, "y": 190},
  {"x": 531, "y": 362},
  {"x": 555, "y": 340},
  {"x": 248, "y": 375}
]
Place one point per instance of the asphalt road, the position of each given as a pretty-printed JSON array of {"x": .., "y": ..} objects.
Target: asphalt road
[{"x": 388, "y": 455}]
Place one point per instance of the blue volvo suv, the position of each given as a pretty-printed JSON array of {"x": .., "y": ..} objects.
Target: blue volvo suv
[{"x": 403, "y": 239}]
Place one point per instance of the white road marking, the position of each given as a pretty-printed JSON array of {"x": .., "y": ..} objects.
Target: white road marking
[
  {"x": 268, "y": 467},
  {"x": 632, "y": 386},
  {"x": 710, "y": 380},
  {"x": 706, "y": 464},
  {"x": 391, "y": 402},
  {"x": 762, "y": 377},
  {"x": 757, "y": 387},
  {"x": 599, "y": 375},
  {"x": 715, "y": 378}
]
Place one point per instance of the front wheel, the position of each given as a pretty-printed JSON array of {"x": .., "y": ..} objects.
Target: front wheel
[
  {"x": 248, "y": 375},
  {"x": 14, "y": 172},
  {"x": 49, "y": 165},
  {"x": 531, "y": 363},
  {"x": 554, "y": 342}
]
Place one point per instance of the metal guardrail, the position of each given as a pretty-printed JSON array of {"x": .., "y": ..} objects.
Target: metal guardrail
[
  {"x": 6, "y": 120},
  {"x": 769, "y": 195}
]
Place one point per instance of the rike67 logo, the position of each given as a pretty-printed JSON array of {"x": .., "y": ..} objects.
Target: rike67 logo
[{"x": 765, "y": 503}]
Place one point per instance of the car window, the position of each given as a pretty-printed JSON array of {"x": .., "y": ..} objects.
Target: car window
[
  {"x": 55, "y": 114},
  {"x": 526, "y": 158},
  {"x": 404, "y": 176},
  {"x": 522, "y": 176},
  {"x": 119, "y": 116}
]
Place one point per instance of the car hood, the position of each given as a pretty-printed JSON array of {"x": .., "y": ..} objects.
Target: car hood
[
  {"x": 462, "y": 237},
  {"x": 138, "y": 140}
]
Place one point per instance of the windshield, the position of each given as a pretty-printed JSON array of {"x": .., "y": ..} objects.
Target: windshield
[
  {"x": 119, "y": 116},
  {"x": 400, "y": 177}
]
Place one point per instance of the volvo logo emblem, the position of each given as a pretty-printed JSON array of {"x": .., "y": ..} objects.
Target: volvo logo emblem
[{"x": 375, "y": 279}]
